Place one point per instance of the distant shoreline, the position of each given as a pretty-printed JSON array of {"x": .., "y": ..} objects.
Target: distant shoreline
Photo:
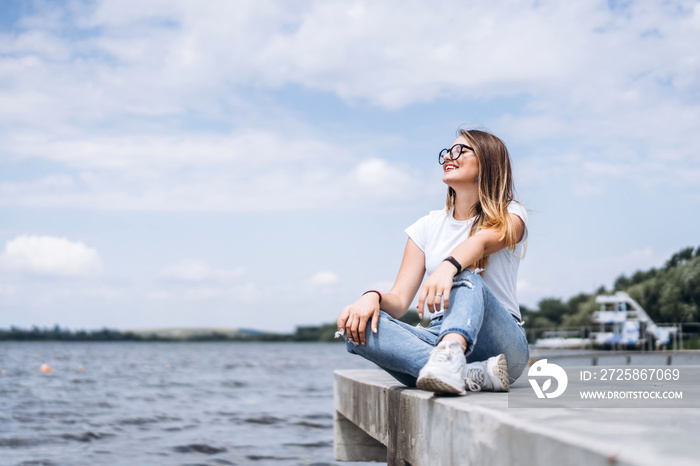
[
  {"x": 322, "y": 333},
  {"x": 310, "y": 333}
]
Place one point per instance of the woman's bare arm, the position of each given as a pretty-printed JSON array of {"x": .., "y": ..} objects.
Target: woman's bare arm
[
  {"x": 354, "y": 317},
  {"x": 396, "y": 302}
]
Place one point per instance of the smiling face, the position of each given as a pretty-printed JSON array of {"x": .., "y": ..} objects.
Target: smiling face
[{"x": 464, "y": 170}]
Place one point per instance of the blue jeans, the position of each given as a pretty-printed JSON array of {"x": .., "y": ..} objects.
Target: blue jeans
[{"x": 474, "y": 312}]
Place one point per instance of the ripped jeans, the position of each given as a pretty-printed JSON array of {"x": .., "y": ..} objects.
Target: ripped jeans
[{"x": 474, "y": 312}]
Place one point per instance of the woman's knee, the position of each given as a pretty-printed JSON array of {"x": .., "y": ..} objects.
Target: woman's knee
[
  {"x": 467, "y": 291},
  {"x": 468, "y": 279},
  {"x": 349, "y": 345},
  {"x": 369, "y": 335}
]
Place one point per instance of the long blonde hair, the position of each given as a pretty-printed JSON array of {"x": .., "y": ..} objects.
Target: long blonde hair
[{"x": 495, "y": 188}]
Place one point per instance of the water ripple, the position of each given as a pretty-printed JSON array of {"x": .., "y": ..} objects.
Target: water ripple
[
  {"x": 199, "y": 448},
  {"x": 127, "y": 403}
]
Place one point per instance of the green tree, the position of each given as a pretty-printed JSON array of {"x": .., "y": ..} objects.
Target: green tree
[
  {"x": 552, "y": 309},
  {"x": 679, "y": 258}
]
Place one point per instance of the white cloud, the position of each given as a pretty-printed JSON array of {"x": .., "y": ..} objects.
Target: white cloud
[
  {"x": 585, "y": 188},
  {"x": 204, "y": 293},
  {"x": 48, "y": 255},
  {"x": 197, "y": 280},
  {"x": 6, "y": 289},
  {"x": 104, "y": 105},
  {"x": 163, "y": 60},
  {"x": 158, "y": 295},
  {"x": 143, "y": 154},
  {"x": 248, "y": 170},
  {"x": 244, "y": 292},
  {"x": 382, "y": 178},
  {"x": 200, "y": 271},
  {"x": 524, "y": 286},
  {"x": 177, "y": 55},
  {"x": 247, "y": 291},
  {"x": 529, "y": 293},
  {"x": 102, "y": 292},
  {"x": 636, "y": 259},
  {"x": 324, "y": 278}
]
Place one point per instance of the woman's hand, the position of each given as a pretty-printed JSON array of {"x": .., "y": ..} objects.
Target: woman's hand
[
  {"x": 437, "y": 287},
  {"x": 353, "y": 319}
]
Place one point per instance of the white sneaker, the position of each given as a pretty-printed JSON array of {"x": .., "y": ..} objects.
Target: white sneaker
[
  {"x": 444, "y": 371},
  {"x": 491, "y": 375}
]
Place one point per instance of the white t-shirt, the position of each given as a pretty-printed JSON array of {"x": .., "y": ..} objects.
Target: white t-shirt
[{"x": 438, "y": 234}]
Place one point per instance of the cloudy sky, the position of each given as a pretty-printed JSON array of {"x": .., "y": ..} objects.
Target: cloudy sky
[{"x": 254, "y": 163}]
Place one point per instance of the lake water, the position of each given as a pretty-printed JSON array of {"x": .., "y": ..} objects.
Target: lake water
[{"x": 169, "y": 403}]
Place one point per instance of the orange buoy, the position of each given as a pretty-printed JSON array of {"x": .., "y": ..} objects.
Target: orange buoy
[
  {"x": 81, "y": 368},
  {"x": 3, "y": 372},
  {"x": 45, "y": 368}
]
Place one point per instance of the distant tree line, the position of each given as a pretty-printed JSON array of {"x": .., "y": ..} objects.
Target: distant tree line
[
  {"x": 325, "y": 332},
  {"x": 57, "y": 333},
  {"x": 669, "y": 294}
]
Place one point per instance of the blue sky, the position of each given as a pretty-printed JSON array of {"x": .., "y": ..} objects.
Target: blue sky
[{"x": 254, "y": 163}]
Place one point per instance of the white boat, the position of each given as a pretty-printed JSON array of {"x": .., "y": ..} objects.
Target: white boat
[
  {"x": 623, "y": 322},
  {"x": 561, "y": 339},
  {"x": 561, "y": 343}
]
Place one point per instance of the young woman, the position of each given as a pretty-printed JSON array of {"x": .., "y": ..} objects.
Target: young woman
[{"x": 471, "y": 251}]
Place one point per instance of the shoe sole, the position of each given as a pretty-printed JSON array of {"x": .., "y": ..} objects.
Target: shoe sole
[
  {"x": 432, "y": 383},
  {"x": 498, "y": 373}
]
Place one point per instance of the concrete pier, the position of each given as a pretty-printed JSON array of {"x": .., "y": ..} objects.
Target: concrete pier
[{"x": 378, "y": 419}]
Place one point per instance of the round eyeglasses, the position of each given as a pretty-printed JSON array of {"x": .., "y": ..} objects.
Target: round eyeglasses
[{"x": 454, "y": 151}]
